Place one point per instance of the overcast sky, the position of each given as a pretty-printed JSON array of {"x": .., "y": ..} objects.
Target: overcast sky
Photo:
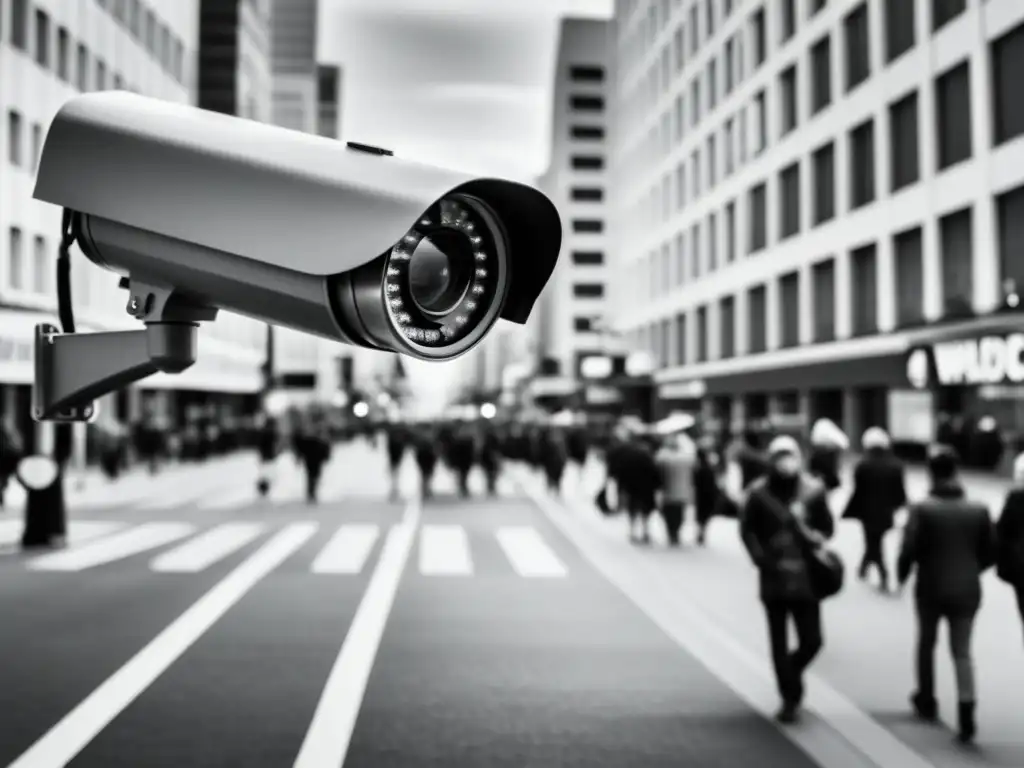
[{"x": 460, "y": 83}]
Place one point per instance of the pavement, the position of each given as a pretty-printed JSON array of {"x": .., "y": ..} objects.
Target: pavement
[{"x": 198, "y": 625}]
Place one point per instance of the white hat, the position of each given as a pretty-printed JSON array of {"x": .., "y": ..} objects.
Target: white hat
[
  {"x": 783, "y": 444},
  {"x": 875, "y": 437},
  {"x": 826, "y": 433}
]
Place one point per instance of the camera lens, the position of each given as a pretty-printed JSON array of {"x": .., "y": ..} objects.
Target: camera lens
[{"x": 440, "y": 272}]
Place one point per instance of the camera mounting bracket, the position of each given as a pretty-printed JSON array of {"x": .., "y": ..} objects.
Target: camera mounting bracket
[{"x": 73, "y": 369}]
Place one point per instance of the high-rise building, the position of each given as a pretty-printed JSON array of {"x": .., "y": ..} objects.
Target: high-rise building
[
  {"x": 50, "y": 52},
  {"x": 293, "y": 54},
  {"x": 234, "y": 58},
  {"x": 813, "y": 198},
  {"x": 329, "y": 95},
  {"x": 570, "y": 315}
]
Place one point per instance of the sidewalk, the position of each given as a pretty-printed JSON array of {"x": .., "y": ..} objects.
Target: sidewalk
[{"x": 868, "y": 657}]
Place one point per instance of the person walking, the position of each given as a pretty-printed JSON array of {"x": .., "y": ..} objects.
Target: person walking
[
  {"x": 707, "y": 480},
  {"x": 490, "y": 458},
  {"x": 879, "y": 490},
  {"x": 315, "y": 452},
  {"x": 785, "y": 515},
  {"x": 828, "y": 442},
  {"x": 397, "y": 441},
  {"x": 11, "y": 452},
  {"x": 950, "y": 542},
  {"x": 426, "y": 460},
  {"x": 268, "y": 446},
  {"x": 1010, "y": 536},
  {"x": 676, "y": 460}
]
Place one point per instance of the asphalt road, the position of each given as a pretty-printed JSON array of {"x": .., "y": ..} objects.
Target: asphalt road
[{"x": 189, "y": 624}]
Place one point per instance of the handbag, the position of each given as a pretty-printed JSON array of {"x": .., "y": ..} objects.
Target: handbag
[{"x": 601, "y": 501}]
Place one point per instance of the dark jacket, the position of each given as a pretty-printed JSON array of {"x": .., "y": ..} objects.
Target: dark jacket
[
  {"x": 638, "y": 476},
  {"x": 823, "y": 463},
  {"x": 951, "y": 542},
  {"x": 752, "y": 463},
  {"x": 878, "y": 491},
  {"x": 1010, "y": 539},
  {"x": 705, "y": 484},
  {"x": 773, "y": 538}
]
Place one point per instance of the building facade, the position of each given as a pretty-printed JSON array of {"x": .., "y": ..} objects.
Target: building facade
[
  {"x": 329, "y": 85},
  {"x": 809, "y": 192},
  {"x": 293, "y": 48},
  {"x": 234, "y": 58},
  {"x": 50, "y": 51}
]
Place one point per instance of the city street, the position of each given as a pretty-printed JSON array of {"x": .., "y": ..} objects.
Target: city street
[{"x": 189, "y": 624}]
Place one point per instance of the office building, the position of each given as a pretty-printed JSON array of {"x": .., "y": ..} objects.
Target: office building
[
  {"x": 234, "y": 58},
  {"x": 329, "y": 95},
  {"x": 807, "y": 193},
  {"x": 50, "y": 52},
  {"x": 293, "y": 56},
  {"x": 569, "y": 318}
]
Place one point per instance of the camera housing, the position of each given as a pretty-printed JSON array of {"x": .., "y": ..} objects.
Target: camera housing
[{"x": 200, "y": 211}]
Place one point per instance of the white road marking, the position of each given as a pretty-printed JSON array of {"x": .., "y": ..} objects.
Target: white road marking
[
  {"x": 849, "y": 736},
  {"x": 66, "y": 739},
  {"x": 229, "y": 498},
  {"x": 348, "y": 550},
  {"x": 115, "y": 547},
  {"x": 78, "y": 530},
  {"x": 180, "y": 494},
  {"x": 330, "y": 732},
  {"x": 529, "y": 554},
  {"x": 200, "y": 553},
  {"x": 444, "y": 551}
]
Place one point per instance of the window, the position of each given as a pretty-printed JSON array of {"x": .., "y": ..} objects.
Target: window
[
  {"x": 101, "y": 75},
  {"x": 586, "y": 103},
  {"x": 587, "y": 226},
  {"x": 41, "y": 266},
  {"x": 1007, "y": 64},
  {"x": 63, "y": 55},
  {"x": 16, "y": 263},
  {"x": 823, "y": 299},
  {"x": 681, "y": 347},
  {"x": 680, "y": 258},
  {"x": 19, "y": 24},
  {"x": 587, "y": 194},
  {"x": 787, "y": 20},
  {"x": 727, "y": 328},
  {"x": 677, "y": 48},
  {"x": 864, "y": 301},
  {"x": 821, "y": 74},
  {"x": 816, "y": 5},
  {"x": 953, "y": 118},
  {"x": 758, "y": 218},
  {"x": 760, "y": 124},
  {"x": 14, "y": 138},
  {"x": 42, "y": 38},
  {"x": 904, "y": 163},
  {"x": 729, "y": 65},
  {"x": 588, "y": 290},
  {"x": 862, "y": 164},
  {"x": 757, "y": 316},
  {"x": 165, "y": 48},
  {"x": 712, "y": 242},
  {"x": 956, "y": 235},
  {"x": 150, "y": 31},
  {"x": 944, "y": 11},
  {"x": 695, "y": 168},
  {"x": 118, "y": 82},
  {"x": 789, "y": 310},
  {"x": 758, "y": 29},
  {"x": 587, "y": 132},
  {"x": 730, "y": 233},
  {"x": 680, "y": 118},
  {"x": 694, "y": 30},
  {"x": 729, "y": 141},
  {"x": 1010, "y": 210},
  {"x": 702, "y": 334},
  {"x": 709, "y": 17},
  {"x": 695, "y": 102},
  {"x": 586, "y": 74},
  {"x": 37, "y": 145},
  {"x": 858, "y": 47},
  {"x": 908, "y": 255},
  {"x": 584, "y": 324},
  {"x": 680, "y": 186},
  {"x": 824, "y": 198},
  {"x": 587, "y": 258},
  {"x": 712, "y": 153},
  {"x": 789, "y": 209},
  {"x": 587, "y": 163},
  {"x": 134, "y": 17},
  {"x": 787, "y": 89},
  {"x": 82, "y": 71},
  {"x": 712, "y": 84},
  {"x": 695, "y": 254},
  {"x": 899, "y": 28}
]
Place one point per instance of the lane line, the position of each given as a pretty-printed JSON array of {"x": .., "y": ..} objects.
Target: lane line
[
  {"x": 214, "y": 545},
  {"x": 117, "y": 546},
  {"x": 330, "y": 732},
  {"x": 444, "y": 551},
  {"x": 71, "y": 735},
  {"x": 529, "y": 554},
  {"x": 78, "y": 530},
  {"x": 850, "y": 737},
  {"x": 347, "y": 551}
]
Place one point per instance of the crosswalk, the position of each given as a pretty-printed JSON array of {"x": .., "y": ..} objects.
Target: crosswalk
[{"x": 177, "y": 547}]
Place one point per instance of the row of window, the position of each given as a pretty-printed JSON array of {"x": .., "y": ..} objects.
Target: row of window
[
  {"x": 35, "y": 275},
  {"x": 955, "y": 234},
  {"x": 142, "y": 22}
]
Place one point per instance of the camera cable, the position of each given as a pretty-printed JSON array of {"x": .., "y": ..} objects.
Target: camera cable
[{"x": 65, "y": 309}]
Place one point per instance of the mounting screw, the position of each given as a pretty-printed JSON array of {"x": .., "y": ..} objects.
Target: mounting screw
[
  {"x": 37, "y": 413},
  {"x": 134, "y": 304}
]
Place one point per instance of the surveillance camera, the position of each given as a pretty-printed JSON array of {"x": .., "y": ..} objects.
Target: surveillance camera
[{"x": 342, "y": 241}]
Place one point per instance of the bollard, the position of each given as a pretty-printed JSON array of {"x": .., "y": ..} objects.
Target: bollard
[{"x": 45, "y": 511}]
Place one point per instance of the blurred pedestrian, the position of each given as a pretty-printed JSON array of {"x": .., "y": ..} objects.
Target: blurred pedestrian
[
  {"x": 315, "y": 452},
  {"x": 879, "y": 490},
  {"x": 462, "y": 457},
  {"x": 268, "y": 446},
  {"x": 828, "y": 442},
  {"x": 707, "y": 485},
  {"x": 676, "y": 460},
  {"x": 426, "y": 460},
  {"x": 750, "y": 458},
  {"x": 11, "y": 452},
  {"x": 553, "y": 458},
  {"x": 950, "y": 541},
  {"x": 490, "y": 458},
  {"x": 397, "y": 442},
  {"x": 784, "y": 517},
  {"x": 638, "y": 483},
  {"x": 1010, "y": 536}
]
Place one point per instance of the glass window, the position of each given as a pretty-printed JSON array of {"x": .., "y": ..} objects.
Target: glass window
[
  {"x": 787, "y": 20},
  {"x": 824, "y": 182},
  {"x": 37, "y": 145},
  {"x": 588, "y": 290},
  {"x": 823, "y": 298},
  {"x": 904, "y": 165},
  {"x": 758, "y": 236},
  {"x": 899, "y": 28},
  {"x": 858, "y": 47},
  {"x": 789, "y": 310},
  {"x": 42, "y": 38},
  {"x": 757, "y": 317},
  {"x": 821, "y": 74},
  {"x": 787, "y": 89},
  {"x": 63, "y": 54},
  {"x": 944, "y": 11},
  {"x": 789, "y": 192},
  {"x": 956, "y": 233},
  {"x": 1007, "y": 65},
  {"x": 908, "y": 254},
  {"x": 82, "y": 70},
  {"x": 759, "y": 37},
  {"x": 16, "y": 261},
  {"x": 862, "y": 164},
  {"x": 953, "y": 118},
  {"x": 19, "y": 24},
  {"x": 864, "y": 268},
  {"x": 41, "y": 264},
  {"x": 14, "y": 138}
]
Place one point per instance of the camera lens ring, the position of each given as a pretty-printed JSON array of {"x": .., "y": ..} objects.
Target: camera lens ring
[{"x": 444, "y": 299}]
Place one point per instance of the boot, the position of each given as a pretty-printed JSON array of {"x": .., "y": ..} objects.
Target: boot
[
  {"x": 966, "y": 720},
  {"x": 788, "y": 713},
  {"x": 925, "y": 707}
]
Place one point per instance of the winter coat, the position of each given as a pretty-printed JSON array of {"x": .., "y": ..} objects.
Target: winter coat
[
  {"x": 1010, "y": 539},
  {"x": 878, "y": 491}
]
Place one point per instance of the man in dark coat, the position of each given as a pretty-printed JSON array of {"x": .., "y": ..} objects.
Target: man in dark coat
[
  {"x": 490, "y": 457},
  {"x": 750, "y": 458},
  {"x": 426, "y": 459},
  {"x": 638, "y": 482},
  {"x": 462, "y": 456},
  {"x": 706, "y": 485},
  {"x": 314, "y": 448},
  {"x": 397, "y": 442},
  {"x": 951, "y": 542},
  {"x": 784, "y": 513},
  {"x": 878, "y": 492},
  {"x": 1010, "y": 536}
]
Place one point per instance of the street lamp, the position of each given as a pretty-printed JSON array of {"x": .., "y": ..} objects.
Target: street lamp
[
  {"x": 488, "y": 410},
  {"x": 361, "y": 410}
]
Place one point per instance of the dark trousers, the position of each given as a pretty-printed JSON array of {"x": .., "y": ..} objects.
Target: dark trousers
[
  {"x": 491, "y": 473},
  {"x": 673, "y": 512},
  {"x": 873, "y": 555},
  {"x": 961, "y": 627},
  {"x": 791, "y": 665},
  {"x": 1020, "y": 601},
  {"x": 463, "y": 475},
  {"x": 312, "y": 482}
]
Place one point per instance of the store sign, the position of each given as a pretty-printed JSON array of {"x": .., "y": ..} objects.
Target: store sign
[{"x": 985, "y": 360}]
